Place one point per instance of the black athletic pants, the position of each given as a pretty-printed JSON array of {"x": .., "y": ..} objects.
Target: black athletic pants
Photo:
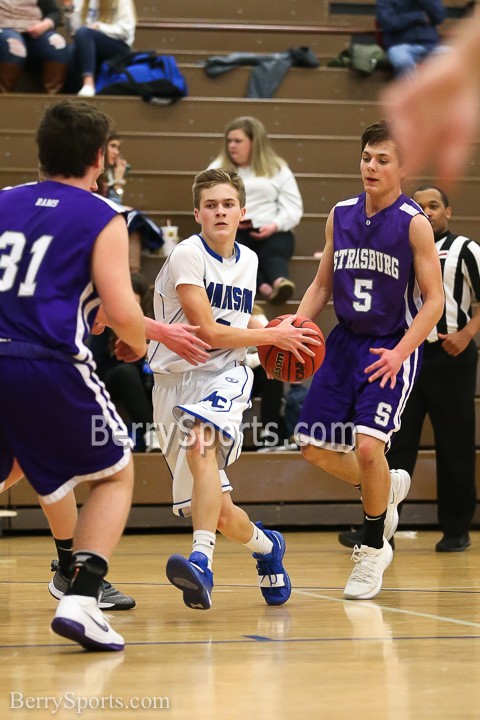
[
  {"x": 445, "y": 390},
  {"x": 273, "y": 254}
]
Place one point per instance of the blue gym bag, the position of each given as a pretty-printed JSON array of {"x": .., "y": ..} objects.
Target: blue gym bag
[{"x": 156, "y": 78}]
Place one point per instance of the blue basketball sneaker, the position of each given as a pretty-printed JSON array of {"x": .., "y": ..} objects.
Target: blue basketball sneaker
[
  {"x": 275, "y": 584},
  {"x": 193, "y": 577}
]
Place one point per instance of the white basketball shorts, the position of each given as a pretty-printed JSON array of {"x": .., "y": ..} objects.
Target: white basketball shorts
[{"x": 215, "y": 398}]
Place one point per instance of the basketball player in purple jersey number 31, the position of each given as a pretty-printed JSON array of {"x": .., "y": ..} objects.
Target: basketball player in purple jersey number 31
[
  {"x": 382, "y": 269},
  {"x": 63, "y": 250}
]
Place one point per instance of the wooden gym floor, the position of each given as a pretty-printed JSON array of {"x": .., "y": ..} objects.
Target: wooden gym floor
[{"x": 413, "y": 653}]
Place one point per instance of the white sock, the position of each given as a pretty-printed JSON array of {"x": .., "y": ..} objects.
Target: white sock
[
  {"x": 204, "y": 542},
  {"x": 259, "y": 542}
]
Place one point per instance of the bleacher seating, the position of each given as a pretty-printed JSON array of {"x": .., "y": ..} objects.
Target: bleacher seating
[{"x": 315, "y": 122}]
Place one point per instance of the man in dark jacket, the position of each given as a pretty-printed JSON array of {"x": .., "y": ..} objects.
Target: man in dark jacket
[{"x": 409, "y": 30}]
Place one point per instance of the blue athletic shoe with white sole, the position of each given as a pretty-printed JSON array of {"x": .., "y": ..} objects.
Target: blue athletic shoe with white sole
[
  {"x": 193, "y": 578},
  {"x": 274, "y": 581}
]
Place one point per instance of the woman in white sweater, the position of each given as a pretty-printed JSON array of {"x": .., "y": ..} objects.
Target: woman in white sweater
[
  {"x": 100, "y": 29},
  {"x": 274, "y": 204}
]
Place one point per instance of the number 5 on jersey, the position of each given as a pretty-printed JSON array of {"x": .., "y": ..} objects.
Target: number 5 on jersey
[{"x": 361, "y": 291}]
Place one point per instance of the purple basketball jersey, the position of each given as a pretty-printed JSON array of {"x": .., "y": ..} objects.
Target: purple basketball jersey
[
  {"x": 47, "y": 232},
  {"x": 47, "y": 304},
  {"x": 374, "y": 287}
]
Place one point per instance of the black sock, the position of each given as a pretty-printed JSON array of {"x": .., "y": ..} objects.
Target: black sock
[
  {"x": 88, "y": 571},
  {"x": 64, "y": 552},
  {"x": 374, "y": 527}
]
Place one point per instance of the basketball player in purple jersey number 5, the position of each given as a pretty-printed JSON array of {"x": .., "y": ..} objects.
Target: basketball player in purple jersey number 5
[{"x": 381, "y": 266}]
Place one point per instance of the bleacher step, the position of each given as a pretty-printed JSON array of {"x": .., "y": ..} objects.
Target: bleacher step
[{"x": 280, "y": 487}]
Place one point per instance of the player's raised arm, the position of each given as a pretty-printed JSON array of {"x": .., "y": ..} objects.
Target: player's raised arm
[{"x": 179, "y": 338}]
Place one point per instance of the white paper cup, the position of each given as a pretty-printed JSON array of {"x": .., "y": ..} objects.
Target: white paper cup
[{"x": 170, "y": 236}]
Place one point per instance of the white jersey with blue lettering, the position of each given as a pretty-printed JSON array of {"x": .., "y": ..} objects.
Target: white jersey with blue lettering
[{"x": 230, "y": 284}]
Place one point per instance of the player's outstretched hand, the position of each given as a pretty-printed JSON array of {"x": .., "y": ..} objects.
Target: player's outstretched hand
[
  {"x": 295, "y": 339},
  {"x": 386, "y": 367},
  {"x": 181, "y": 339}
]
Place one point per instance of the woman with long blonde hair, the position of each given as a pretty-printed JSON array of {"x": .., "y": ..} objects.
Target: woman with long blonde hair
[
  {"x": 100, "y": 29},
  {"x": 274, "y": 204}
]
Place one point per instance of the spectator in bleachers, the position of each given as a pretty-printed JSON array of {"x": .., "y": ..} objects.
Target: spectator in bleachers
[
  {"x": 142, "y": 232},
  {"x": 445, "y": 388},
  {"x": 409, "y": 29},
  {"x": 101, "y": 29},
  {"x": 274, "y": 204},
  {"x": 28, "y": 36}
]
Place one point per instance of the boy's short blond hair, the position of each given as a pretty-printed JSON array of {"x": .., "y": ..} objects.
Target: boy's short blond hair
[{"x": 217, "y": 176}]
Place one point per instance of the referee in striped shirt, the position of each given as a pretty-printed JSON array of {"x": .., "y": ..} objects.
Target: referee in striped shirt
[{"x": 445, "y": 388}]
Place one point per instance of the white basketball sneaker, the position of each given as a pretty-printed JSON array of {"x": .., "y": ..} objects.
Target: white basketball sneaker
[
  {"x": 79, "y": 618},
  {"x": 399, "y": 487},
  {"x": 366, "y": 579},
  {"x": 86, "y": 91}
]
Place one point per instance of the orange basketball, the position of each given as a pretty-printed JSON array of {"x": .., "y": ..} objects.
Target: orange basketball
[{"x": 283, "y": 364}]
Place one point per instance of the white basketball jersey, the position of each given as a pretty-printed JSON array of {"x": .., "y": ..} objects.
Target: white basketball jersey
[{"x": 230, "y": 284}]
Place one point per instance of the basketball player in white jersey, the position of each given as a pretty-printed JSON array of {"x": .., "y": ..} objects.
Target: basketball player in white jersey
[{"x": 209, "y": 280}]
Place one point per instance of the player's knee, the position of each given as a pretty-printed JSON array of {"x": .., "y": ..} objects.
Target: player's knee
[
  {"x": 201, "y": 440},
  {"x": 195, "y": 443},
  {"x": 367, "y": 450},
  {"x": 201, "y": 454},
  {"x": 311, "y": 454},
  {"x": 193, "y": 447}
]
